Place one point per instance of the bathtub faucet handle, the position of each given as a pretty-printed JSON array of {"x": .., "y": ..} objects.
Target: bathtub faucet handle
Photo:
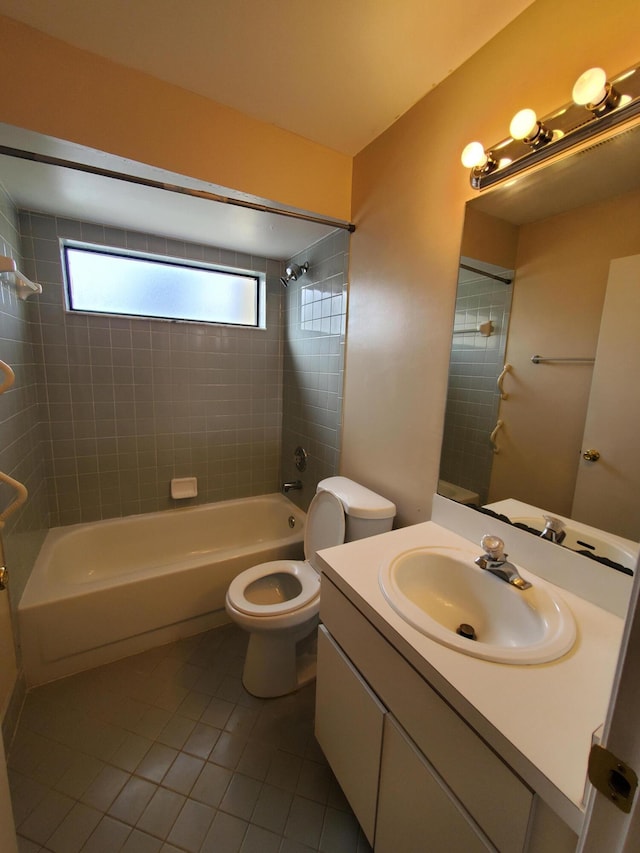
[{"x": 288, "y": 487}]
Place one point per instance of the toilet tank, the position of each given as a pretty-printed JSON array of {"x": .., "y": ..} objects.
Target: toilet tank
[{"x": 366, "y": 513}]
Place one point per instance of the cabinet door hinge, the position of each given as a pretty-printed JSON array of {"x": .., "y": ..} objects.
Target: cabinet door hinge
[{"x": 612, "y": 777}]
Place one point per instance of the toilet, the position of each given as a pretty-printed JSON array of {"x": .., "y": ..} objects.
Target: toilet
[{"x": 278, "y": 602}]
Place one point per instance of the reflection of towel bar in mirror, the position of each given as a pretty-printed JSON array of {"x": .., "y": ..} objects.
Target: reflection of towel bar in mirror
[
  {"x": 492, "y": 437},
  {"x": 538, "y": 359},
  {"x": 500, "y": 381},
  {"x": 485, "y": 329},
  {"x": 10, "y": 273},
  {"x": 20, "y": 498},
  {"x": 9, "y": 377}
]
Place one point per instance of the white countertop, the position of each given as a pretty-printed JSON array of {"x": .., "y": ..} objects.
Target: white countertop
[{"x": 539, "y": 718}]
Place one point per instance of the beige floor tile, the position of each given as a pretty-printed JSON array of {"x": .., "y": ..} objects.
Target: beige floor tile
[
  {"x": 156, "y": 762},
  {"x": 105, "y": 787},
  {"x": 183, "y": 773},
  {"x": 225, "y": 835},
  {"x": 176, "y": 731},
  {"x": 132, "y": 800},
  {"x": 46, "y": 817},
  {"x": 191, "y": 826},
  {"x": 74, "y": 830},
  {"x": 166, "y": 752},
  {"x": 211, "y": 784},
  {"x": 131, "y": 751},
  {"x": 160, "y": 814},
  {"x": 241, "y": 796},
  {"x": 202, "y": 740},
  {"x": 107, "y": 837}
]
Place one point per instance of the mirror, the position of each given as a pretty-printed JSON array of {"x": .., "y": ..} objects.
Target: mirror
[{"x": 555, "y": 231}]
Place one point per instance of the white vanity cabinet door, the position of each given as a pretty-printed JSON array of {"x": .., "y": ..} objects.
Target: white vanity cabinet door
[
  {"x": 349, "y": 724},
  {"x": 416, "y": 811}
]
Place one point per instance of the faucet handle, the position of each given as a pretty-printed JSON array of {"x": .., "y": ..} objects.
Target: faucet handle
[
  {"x": 493, "y": 546},
  {"x": 553, "y": 523}
]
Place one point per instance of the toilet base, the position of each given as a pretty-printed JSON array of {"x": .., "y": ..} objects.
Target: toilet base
[{"x": 280, "y": 662}]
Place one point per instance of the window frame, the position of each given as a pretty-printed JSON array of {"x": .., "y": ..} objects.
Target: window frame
[{"x": 168, "y": 260}]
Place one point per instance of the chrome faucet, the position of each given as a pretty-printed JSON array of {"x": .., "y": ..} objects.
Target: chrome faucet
[
  {"x": 288, "y": 487},
  {"x": 553, "y": 529},
  {"x": 494, "y": 560}
]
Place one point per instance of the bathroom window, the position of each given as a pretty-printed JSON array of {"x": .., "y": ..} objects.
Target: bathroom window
[{"x": 101, "y": 280}]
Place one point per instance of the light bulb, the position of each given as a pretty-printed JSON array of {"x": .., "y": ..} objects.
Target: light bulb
[
  {"x": 590, "y": 87},
  {"x": 523, "y": 124},
  {"x": 473, "y": 156}
]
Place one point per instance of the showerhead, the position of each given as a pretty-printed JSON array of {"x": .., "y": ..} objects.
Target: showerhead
[{"x": 293, "y": 273}]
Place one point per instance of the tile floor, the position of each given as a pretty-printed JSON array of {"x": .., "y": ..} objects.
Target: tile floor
[{"x": 165, "y": 751}]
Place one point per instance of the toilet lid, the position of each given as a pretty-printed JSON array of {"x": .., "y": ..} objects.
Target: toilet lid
[{"x": 325, "y": 525}]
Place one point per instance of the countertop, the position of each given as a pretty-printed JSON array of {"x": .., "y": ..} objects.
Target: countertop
[{"x": 539, "y": 718}]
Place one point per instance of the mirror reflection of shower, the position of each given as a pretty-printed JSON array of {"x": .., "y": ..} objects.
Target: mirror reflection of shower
[
  {"x": 293, "y": 273},
  {"x": 483, "y": 306}
]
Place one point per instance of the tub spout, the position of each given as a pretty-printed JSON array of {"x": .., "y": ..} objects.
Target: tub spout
[{"x": 288, "y": 487}]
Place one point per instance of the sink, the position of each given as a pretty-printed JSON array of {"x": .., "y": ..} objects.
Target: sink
[
  {"x": 437, "y": 589},
  {"x": 585, "y": 540}
]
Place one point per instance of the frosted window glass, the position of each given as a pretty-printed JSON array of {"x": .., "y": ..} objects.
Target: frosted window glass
[{"x": 108, "y": 283}]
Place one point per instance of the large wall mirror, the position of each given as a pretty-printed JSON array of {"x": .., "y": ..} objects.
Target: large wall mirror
[{"x": 567, "y": 237}]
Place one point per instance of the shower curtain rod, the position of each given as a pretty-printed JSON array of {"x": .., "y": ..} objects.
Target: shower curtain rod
[
  {"x": 486, "y": 274},
  {"x": 47, "y": 160}
]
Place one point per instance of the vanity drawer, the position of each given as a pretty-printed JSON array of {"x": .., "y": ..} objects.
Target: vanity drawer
[{"x": 488, "y": 789}]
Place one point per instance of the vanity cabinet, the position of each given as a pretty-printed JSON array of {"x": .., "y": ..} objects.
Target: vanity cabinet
[
  {"x": 349, "y": 726},
  {"x": 417, "y": 776},
  {"x": 416, "y": 809}
]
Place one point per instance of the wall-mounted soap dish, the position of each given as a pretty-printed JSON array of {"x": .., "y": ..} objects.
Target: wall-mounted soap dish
[{"x": 10, "y": 273}]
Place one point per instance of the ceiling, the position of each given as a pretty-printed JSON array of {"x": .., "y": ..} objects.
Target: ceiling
[
  {"x": 333, "y": 72},
  {"x": 336, "y": 72}
]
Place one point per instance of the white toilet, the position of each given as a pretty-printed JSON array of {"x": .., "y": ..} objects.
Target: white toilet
[{"x": 278, "y": 602}]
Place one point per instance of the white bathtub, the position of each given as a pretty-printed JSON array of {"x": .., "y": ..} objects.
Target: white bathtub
[{"x": 101, "y": 591}]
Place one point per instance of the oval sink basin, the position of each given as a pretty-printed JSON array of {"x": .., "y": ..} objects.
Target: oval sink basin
[
  {"x": 584, "y": 540},
  {"x": 438, "y": 589}
]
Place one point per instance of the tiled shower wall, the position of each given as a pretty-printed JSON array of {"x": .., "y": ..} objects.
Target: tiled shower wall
[
  {"x": 314, "y": 344},
  {"x": 473, "y": 399},
  {"x": 128, "y": 404},
  {"x": 21, "y": 451}
]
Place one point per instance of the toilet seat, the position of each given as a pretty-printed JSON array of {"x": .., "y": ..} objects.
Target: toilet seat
[
  {"x": 306, "y": 575},
  {"x": 324, "y": 528}
]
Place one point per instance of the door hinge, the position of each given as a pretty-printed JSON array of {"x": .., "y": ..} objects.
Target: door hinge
[{"x": 612, "y": 777}]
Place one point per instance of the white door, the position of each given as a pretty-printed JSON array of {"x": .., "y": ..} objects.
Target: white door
[
  {"x": 607, "y": 492},
  {"x": 606, "y": 827},
  {"x": 8, "y": 672}
]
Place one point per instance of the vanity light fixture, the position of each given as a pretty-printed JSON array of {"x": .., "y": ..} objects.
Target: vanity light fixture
[
  {"x": 609, "y": 104},
  {"x": 525, "y": 126},
  {"x": 475, "y": 157},
  {"x": 591, "y": 90}
]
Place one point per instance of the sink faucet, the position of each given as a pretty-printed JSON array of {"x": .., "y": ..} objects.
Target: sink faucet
[
  {"x": 287, "y": 487},
  {"x": 494, "y": 560},
  {"x": 553, "y": 529}
]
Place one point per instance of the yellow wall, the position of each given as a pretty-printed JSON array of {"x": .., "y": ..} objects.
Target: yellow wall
[
  {"x": 408, "y": 206},
  {"x": 486, "y": 238},
  {"x": 58, "y": 90}
]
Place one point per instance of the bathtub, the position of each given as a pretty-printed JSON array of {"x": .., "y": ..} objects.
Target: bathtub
[{"x": 105, "y": 590}]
